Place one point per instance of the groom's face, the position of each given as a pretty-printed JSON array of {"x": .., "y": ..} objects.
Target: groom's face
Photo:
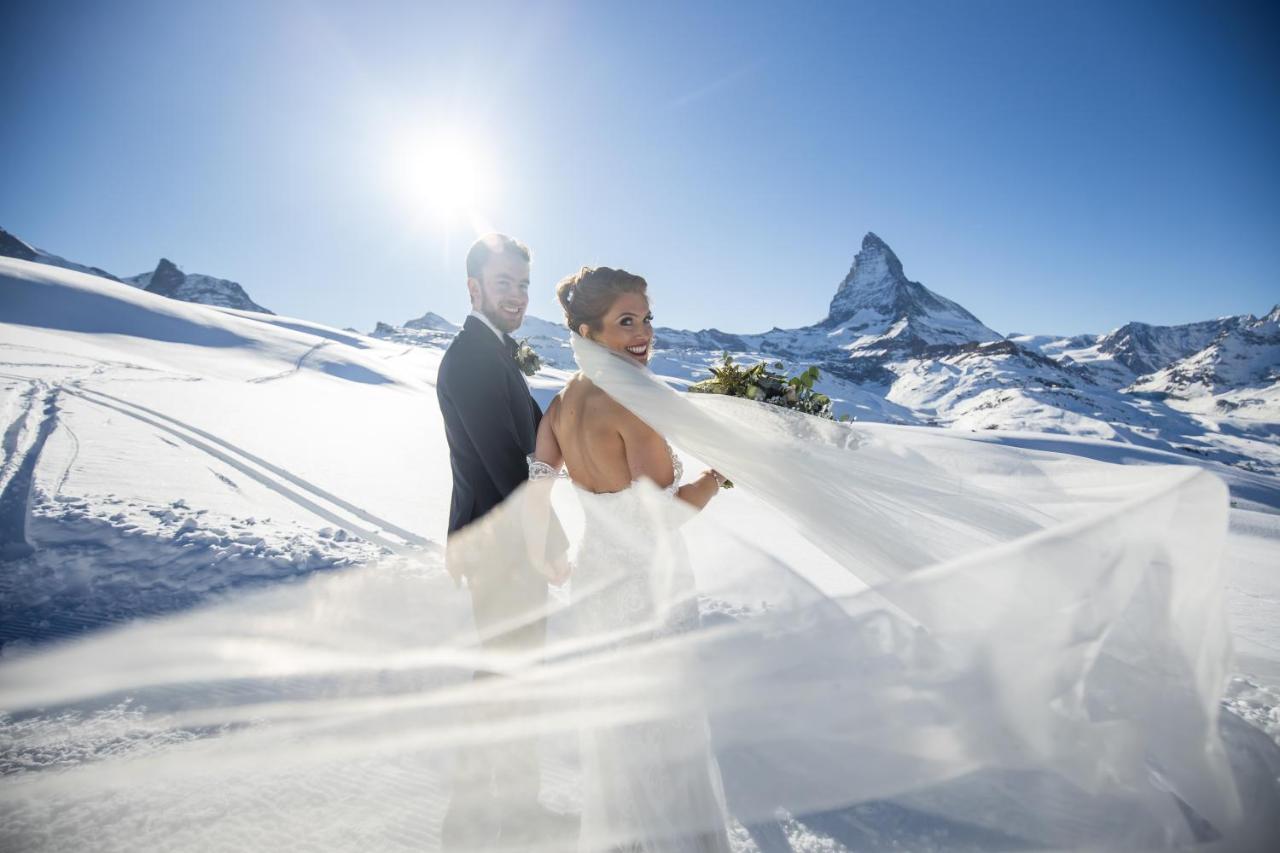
[{"x": 501, "y": 293}]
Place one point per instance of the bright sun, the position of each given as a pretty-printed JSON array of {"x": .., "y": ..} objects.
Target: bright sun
[{"x": 444, "y": 175}]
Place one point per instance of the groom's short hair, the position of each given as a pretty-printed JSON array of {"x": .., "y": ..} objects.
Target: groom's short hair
[{"x": 488, "y": 246}]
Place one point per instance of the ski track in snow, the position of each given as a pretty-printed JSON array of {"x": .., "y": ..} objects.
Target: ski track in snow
[
  {"x": 297, "y": 365},
  {"x": 75, "y": 454},
  {"x": 244, "y": 462},
  {"x": 14, "y": 431},
  {"x": 92, "y": 561},
  {"x": 15, "y": 498}
]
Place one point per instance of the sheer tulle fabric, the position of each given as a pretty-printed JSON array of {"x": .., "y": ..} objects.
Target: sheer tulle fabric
[
  {"x": 1035, "y": 664},
  {"x": 1041, "y": 615}
]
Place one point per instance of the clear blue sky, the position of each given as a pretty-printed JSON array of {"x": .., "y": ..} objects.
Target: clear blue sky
[{"x": 1054, "y": 167}]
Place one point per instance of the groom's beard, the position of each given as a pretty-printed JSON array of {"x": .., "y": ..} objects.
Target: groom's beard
[{"x": 501, "y": 318}]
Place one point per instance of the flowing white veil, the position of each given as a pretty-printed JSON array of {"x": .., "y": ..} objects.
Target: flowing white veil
[
  {"x": 1056, "y": 615},
  {"x": 1036, "y": 664}
]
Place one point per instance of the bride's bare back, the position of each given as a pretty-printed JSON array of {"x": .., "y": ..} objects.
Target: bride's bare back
[{"x": 603, "y": 446}]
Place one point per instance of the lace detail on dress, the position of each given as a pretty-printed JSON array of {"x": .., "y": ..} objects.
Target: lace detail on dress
[
  {"x": 678, "y": 467},
  {"x": 539, "y": 470}
]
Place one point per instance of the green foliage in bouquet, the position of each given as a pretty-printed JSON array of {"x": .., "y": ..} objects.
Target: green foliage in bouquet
[
  {"x": 763, "y": 383},
  {"x": 527, "y": 359}
]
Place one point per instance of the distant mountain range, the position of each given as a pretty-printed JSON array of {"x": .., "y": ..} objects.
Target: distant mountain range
[
  {"x": 892, "y": 350},
  {"x": 166, "y": 279}
]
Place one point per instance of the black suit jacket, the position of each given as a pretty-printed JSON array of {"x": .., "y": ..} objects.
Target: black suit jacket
[{"x": 490, "y": 419}]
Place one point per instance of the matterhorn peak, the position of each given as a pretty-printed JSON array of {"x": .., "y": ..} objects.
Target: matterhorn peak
[
  {"x": 872, "y": 242},
  {"x": 877, "y": 299},
  {"x": 876, "y": 256}
]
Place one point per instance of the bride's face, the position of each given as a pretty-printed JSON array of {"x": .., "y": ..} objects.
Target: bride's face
[{"x": 627, "y": 327}]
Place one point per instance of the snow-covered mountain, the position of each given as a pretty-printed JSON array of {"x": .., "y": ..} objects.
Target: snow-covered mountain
[
  {"x": 416, "y": 335},
  {"x": 167, "y": 280},
  {"x": 1119, "y": 357},
  {"x": 876, "y": 311},
  {"x": 1145, "y": 349},
  {"x": 432, "y": 322},
  {"x": 1236, "y": 378},
  {"x": 1245, "y": 351},
  {"x": 14, "y": 247},
  {"x": 551, "y": 340},
  {"x": 877, "y": 305}
]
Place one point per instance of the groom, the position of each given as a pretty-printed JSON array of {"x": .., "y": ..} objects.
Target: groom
[{"x": 491, "y": 422}]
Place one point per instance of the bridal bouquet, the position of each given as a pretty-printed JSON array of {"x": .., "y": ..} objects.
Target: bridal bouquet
[
  {"x": 760, "y": 382},
  {"x": 527, "y": 358}
]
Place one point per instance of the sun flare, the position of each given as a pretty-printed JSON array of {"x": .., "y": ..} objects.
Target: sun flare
[{"x": 447, "y": 175}]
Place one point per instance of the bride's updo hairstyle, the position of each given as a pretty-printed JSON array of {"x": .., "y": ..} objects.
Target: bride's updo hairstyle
[{"x": 587, "y": 295}]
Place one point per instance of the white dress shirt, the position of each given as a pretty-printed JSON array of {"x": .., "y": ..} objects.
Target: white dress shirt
[{"x": 483, "y": 319}]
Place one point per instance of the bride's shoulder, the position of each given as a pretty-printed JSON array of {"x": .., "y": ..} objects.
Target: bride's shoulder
[
  {"x": 590, "y": 401},
  {"x": 581, "y": 391}
]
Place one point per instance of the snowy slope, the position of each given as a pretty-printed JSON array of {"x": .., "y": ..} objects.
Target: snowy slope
[{"x": 138, "y": 427}]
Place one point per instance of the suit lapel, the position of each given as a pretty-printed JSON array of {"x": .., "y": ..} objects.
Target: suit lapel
[{"x": 487, "y": 340}]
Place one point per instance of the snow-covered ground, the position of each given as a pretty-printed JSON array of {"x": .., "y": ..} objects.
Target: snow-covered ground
[{"x": 176, "y": 471}]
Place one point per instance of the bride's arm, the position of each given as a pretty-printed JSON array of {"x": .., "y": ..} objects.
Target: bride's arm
[
  {"x": 547, "y": 448},
  {"x": 548, "y": 546},
  {"x": 648, "y": 456},
  {"x": 700, "y": 492}
]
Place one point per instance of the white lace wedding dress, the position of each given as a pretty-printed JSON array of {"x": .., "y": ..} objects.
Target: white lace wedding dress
[{"x": 652, "y": 785}]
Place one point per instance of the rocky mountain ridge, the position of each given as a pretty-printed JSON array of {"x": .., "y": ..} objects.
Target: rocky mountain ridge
[
  {"x": 12, "y": 246},
  {"x": 165, "y": 280},
  {"x": 168, "y": 280}
]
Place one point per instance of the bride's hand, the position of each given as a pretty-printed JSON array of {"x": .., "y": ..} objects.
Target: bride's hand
[
  {"x": 700, "y": 492},
  {"x": 721, "y": 480}
]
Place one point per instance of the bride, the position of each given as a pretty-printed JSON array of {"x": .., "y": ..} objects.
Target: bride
[{"x": 652, "y": 785}]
